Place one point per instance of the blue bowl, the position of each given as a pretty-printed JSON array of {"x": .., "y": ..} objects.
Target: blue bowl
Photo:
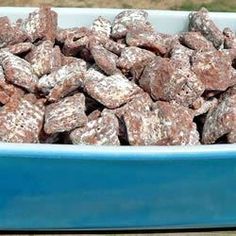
[{"x": 81, "y": 187}]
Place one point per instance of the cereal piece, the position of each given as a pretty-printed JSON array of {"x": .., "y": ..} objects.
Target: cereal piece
[
  {"x": 147, "y": 39},
  {"x": 143, "y": 128},
  {"x": 202, "y": 106},
  {"x": 184, "y": 87},
  {"x": 20, "y": 48},
  {"x": 8, "y": 91},
  {"x": 196, "y": 41},
  {"x": 111, "y": 91},
  {"x": 71, "y": 34},
  {"x": 63, "y": 34},
  {"x": 113, "y": 46},
  {"x": 63, "y": 80},
  {"x": 221, "y": 120},
  {"x": 104, "y": 59},
  {"x": 73, "y": 39},
  {"x": 68, "y": 60},
  {"x": 171, "y": 41},
  {"x": 134, "y": 59},
  {"x": 140, "y": 102},
  {"x": 21, "y": 120},
  {"x": 163, "y": 81},
  {"x": 18, "y": 71},
  {"x": 109, "y": 44},
  {"x": 130, "y": 56},
  {"x": 101, "y": 131},
  {"x": 178, "y": 124},
  {"x": 72, "y": 48},
  {"x": 161, "y": 126},
  {"x": 214, "y": 69},
  {"x": 127, "y": 19},
  {"x": 45, "y": 58},
  {"x": 230, "y": 38},
  {"x": 180, "y": 56},
  {"x": 200, "y": 21},
  {"x": 10, "y": 34},
  {"x": 65, "y": 115},
  {"x": 41, "y": 24},
  {"x": 102, "y": 27}
]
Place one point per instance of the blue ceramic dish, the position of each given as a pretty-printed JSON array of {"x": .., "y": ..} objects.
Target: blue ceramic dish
[{"x": 86, "y": 187}]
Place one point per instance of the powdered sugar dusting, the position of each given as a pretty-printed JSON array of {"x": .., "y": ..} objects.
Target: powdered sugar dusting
[
  {"x": 18, "y": 71},
  {"x": 102, "y": 131},
  {"x": 22, "y": 124},
  {"x": 65, "y": 115},
  {"x": 111, "y": 91},
  {"x": 66, "y": 79},
  {"x": 102, "y": 26}
]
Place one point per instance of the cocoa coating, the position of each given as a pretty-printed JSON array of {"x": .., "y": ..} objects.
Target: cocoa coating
[
  {"x": 164, "y": 81},
  {"x": 117, "y": 82},
  {"x": 21, "y": 120},
  {"x": 201, "y": 22},
  {"x": 100, "y": 131},
  {"x": 214, "y": 69},
  {"x": 65, "y": 115},
  {"x": 221, "y": 119}
]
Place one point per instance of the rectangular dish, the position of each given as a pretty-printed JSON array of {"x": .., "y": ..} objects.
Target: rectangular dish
[{"x": 51, "y": 187}]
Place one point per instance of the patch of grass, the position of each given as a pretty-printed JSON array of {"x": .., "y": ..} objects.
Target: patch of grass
[
  {"x": 147, "y": 4},
  {"x": 215, "y": 5},
  {"x": 211, "y": 5},
  {"x": 126, "y": 5}
]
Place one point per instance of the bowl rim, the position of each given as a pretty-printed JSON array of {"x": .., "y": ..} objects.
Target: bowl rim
[{"x": 69, "y": 151}]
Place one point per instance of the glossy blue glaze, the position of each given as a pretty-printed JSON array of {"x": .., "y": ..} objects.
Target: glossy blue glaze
[{"x": 51, "y": 187}]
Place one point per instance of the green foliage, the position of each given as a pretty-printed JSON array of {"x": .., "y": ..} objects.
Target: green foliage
[{"x": 215, "y": 5}]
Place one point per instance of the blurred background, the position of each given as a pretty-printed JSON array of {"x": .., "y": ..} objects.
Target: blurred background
[{"x": 212, "y": 5}]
